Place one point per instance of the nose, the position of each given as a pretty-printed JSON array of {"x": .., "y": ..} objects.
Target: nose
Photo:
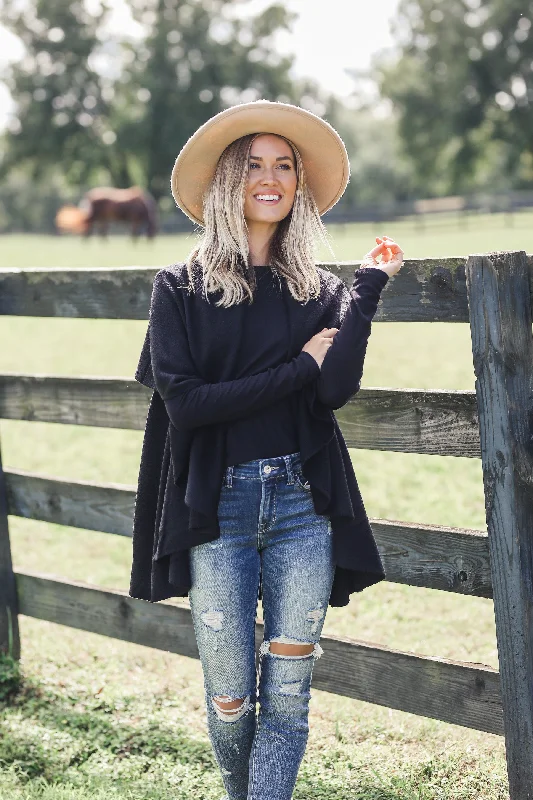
[{"x": 268, "y": 176}]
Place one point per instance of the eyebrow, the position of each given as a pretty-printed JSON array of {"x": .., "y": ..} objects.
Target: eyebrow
[{"x": 280, "y": 158}]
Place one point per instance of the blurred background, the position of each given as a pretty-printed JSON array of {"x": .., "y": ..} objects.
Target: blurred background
[{"x": 433, "y": 98}]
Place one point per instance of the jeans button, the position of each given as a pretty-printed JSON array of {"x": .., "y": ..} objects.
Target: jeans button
[{"x": 267, "y": 468}]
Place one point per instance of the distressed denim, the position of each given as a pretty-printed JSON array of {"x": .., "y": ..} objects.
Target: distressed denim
[{"x": 269, "y": 532}]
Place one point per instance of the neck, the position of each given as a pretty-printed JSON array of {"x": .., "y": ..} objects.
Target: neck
[{"x": 260, "y": 235}]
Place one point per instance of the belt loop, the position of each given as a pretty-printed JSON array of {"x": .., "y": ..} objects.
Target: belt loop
[
  {"x": 290, "y": 473},
  {"x": 229, "y": 477}
]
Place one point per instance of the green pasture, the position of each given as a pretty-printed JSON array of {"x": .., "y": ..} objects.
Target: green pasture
[{"x": 96, "y": 718}]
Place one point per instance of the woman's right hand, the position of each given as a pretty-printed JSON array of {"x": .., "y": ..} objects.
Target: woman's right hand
[{"x": 319, "y": 344}]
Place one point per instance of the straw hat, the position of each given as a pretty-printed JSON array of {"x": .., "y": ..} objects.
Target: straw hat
[{"x": 320, "y": 146}]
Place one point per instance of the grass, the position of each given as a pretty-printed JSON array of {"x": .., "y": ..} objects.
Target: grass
[
  {"x": 90, "y": 717},
  {"x": 443, "y": 235}
]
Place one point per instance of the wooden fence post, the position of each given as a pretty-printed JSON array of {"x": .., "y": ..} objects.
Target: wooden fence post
[
  {"x": 502, "y": 346},
  {"x": 9, "y": 629}
]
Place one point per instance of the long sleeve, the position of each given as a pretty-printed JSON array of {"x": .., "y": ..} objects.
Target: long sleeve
[
  {"x": 192, "y": 402},
  {"x": 342, "y": 368}
]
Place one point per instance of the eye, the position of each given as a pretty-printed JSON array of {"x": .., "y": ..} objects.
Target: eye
[
  {"x": 253, "y": 164},
  {"x": 285, "y": 166}
]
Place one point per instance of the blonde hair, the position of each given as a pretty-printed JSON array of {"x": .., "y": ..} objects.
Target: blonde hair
[{"x": 223, "y": 253}]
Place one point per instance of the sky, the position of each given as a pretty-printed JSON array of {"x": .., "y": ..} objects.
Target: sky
[{"x": 327, "y": 38}]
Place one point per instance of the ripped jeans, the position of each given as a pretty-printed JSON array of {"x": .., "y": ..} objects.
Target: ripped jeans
[{"x": 269, "y": 531}]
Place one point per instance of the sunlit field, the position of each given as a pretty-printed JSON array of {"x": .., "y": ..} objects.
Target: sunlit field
[{"x": 101, "y": 719}]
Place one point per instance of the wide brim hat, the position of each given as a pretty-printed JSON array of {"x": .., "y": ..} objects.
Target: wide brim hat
[{"x": 323, "y": 153}]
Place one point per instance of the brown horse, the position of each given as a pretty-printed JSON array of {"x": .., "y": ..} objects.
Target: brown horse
[{"x": 104, "y": 205}]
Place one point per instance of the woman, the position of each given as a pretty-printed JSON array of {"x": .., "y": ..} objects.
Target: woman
[{"x": 246, "y": 488}]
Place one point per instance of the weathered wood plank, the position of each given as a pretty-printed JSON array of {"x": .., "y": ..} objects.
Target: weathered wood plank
[
  {"x": 502, "y": 346},
  {"x": 409, "y": 421},
  {"x": 105, "y": 507},
  {"x": 452, "y": 559},
  {"x": 92, "y": 293},
  {"x": 9, "y": 629},
  {"x": 99, "y": 402},
  {"x": 463, "y": 694},
  {"x": 402, "y": 420},
  {"x": 425, "y": 290}
]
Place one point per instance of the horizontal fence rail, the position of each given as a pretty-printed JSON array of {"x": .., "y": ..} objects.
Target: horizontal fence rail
[
  {"x": 426, "y": 290},
  {"x": 428, "y": 422},
  {"x": 452, "y": 559},
  {"x": 402, "y": 420},
  {"x": 461, "y": 693}
]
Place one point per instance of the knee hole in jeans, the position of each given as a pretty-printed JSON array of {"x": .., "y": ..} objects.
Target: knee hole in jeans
[
  {"x": 284, "y": 647},
  {"x": 230, "y": 709}
]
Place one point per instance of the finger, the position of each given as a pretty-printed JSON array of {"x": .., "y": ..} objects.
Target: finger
[
  {"x": 386, "y": 257},
  {"x": 392, "y": 244},
  {"x": 397, "y": 252},
  {"x": 374, "y": 253}
]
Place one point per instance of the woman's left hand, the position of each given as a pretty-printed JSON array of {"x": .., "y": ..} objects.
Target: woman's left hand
[{"x": 391, "y": 256}]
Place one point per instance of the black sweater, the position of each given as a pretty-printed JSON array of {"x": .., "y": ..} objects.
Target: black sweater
[
  {"x": 191, "y": 358},
  {"x": 270, "y": 431}
]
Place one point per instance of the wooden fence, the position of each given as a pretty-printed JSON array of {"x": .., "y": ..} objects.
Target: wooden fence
[{"x": 493, "y": 293}]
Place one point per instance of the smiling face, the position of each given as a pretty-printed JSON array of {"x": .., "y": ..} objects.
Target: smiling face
[{"x": 272, "y": 180}]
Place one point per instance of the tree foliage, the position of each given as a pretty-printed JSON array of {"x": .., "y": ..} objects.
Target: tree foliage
[
  {"x": 62, "y": 108},
  {"x": 461, "y": 86},
  {"x": 100, "y": 108},
  {"x": 197, "y": 58}
]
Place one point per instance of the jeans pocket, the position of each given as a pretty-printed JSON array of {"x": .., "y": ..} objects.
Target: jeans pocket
[{"x": 301, "y": 482}]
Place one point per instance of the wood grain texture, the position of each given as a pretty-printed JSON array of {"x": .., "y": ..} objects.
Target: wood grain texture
[
  {"x": 451, "y": 559},
  {"x": 403, "y": 420},
  {"x": 426, "y": 290},
  {"x": 463, "y": 694},
  {"x": 98, "y": 402},
  {"x": 502, "y": 346},
  {"x": 410, "y": 421},
  {"x": 120, "y": 293},
  {"x": 9, "y": 629},
  {"x": 105, "y": 507}
]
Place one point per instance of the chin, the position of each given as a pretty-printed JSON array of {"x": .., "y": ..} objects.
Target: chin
[
  {"x": 271, "y": 218},
  {"x": 264, "y": 214}
]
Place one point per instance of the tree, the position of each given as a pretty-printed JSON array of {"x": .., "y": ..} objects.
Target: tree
[
  {"x": 62, "y": 106},
  {"x": 102, "y": 109},
  {"x": 380, "y": 174},
  {"x": 462, "y": 88},
  {"x": 198, "y": 57}
]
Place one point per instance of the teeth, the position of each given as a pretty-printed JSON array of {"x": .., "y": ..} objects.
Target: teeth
[{"x": 268, "y": 196}]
